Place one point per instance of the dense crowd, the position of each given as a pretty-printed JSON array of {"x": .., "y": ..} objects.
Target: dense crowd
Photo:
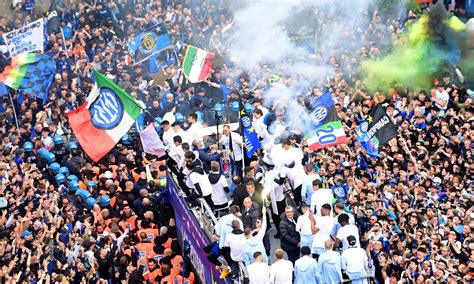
[{"x": 405, "y": 216}]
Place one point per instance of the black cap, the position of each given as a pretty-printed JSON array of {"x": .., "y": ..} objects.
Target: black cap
[{"x": 351, "y": 240}]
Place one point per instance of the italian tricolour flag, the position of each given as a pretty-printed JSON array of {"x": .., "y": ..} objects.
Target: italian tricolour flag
[
  {"x": 328, "y": 130},
  {"x": 197, "y": 64},
  {"x": 104, "y": 118}
]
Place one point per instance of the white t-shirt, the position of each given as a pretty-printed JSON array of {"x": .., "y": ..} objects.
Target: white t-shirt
[
  {"x": 259, "y": 273},
  {"x": 176, "y": 153},
  {"x": 184, "y": 136},
  {"x": 325, "y": 225},
  {"x": 168, "y": 137},
  {"x": 195, "y": 131},
  {"x": 319, "y": 198},
  {"x": 237, "y": 244},
  {"x": 169, "y": 116},
  {"x": 219, "y": 196},
  {"x": 442, "y": 96},
  {"x": 346, "y": 231},
  {"x": 281, "y": 272},
  {"x": 303, "y": 225},
  {"x": 236, "y": 138},
  {"x": 354, "y": 260},
  {"x": 203, "y": 182}
]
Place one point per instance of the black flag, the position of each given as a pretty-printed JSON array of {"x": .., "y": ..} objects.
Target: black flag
[
  {"x": 53, "y": 23},
  {"x": 376, "y": 131}
]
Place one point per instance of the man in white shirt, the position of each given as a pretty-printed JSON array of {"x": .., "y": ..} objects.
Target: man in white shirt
[
  {"x": 195, "y": 131},
  {"x": 354, "y": 261},
  {"x": 180, "y": 132},
  {"x": 320, "y": 197},
  {"x": 237, "y": 142},
  {"x": 236, "y": 241},
  {"x": 345, "y": 231},
  {"x": 321, "y": 226},
  {"x": 441, "y": 99},
  {"x": 281, "y": 272},
  {"x": 177, "y": 152},
  {"x": 168, "y": 134},
  {"x": 303, "y": 226},
  {"x": 201, "y": 182},
  {"x": 307, "y": 188},
  {"x": 259, "y": 272}
]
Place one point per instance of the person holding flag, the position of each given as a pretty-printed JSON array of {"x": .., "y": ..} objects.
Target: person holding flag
[
  {"x": 234, "y": 149},
  {"x": 375, "y": 131}
]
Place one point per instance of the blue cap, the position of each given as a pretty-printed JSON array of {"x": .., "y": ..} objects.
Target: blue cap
[
  {"x": 104, "y": 200},
  {"x": 72, "y": 145},
  {"x": 90, "y": 202},
  {"x": 125, "y": 139},
  {"x": 72, "y": 177},
  {"x": 55, "y": 167},
  {"x": 73, "y": 185},
  {"x": 92, "y": 184},
  {"x": 179, "y": 117},
  {"x": 58, "y": 139},
  {"x": 200, "y": 116},
  {"x": 248, "y": 107},
  {"x": 235, "y": 106},
  {"x": 60, "y": 178},
  {"x": 28, "y": 146},
  {"x": 43, "y": 151},
  {"x": 83, "y": 194},
  {"x": 64, "y": 171},
  {"x": 49, "y": 157}
]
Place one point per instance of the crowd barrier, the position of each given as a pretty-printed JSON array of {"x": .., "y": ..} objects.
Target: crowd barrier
[{"x": 194, "y": 228}]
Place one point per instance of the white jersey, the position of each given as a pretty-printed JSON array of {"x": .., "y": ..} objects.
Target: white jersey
[
  {"x": 203, "y": 182},
  {"x": 319, "y": 198},
  {"x": 236, "y": 140},
  {"x": 195, "y": 131},
  {"x": 346, "y": 231},
  {"x": 325, "y": 225},
  {"x": 281, "y": 272}
]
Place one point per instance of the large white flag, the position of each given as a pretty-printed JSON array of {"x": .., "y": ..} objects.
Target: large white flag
[
  {"x": 151, "y": 142},
  {"x": 26, "y": 39}
]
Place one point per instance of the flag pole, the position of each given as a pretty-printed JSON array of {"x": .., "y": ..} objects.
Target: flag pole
[
  {"x": 243, "y": 140},
  {"x": 64, "y": 42},
  {"x": 14, "y": 110}
]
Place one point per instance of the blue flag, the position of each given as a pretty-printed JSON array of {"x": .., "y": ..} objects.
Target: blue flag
[
  {"x": 148, "y": 43},
  {"x": 251, "y": 141}
]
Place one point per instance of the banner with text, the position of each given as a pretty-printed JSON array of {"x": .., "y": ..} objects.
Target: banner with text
[
  {"x": 190, "y": 231},
  {"x": 27, "y": 39}
]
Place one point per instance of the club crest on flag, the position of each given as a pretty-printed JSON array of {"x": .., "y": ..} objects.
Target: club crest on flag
[
  {"x": 107, "y": 111},
  {"x": 148, "y": 42},
  {"x": 319, "y": 114}
]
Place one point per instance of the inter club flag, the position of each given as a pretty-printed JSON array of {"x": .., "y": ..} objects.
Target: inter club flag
[
  {"x": 328, "y": 129},
  {"x": 251, "y": 141},
  {"x": 148, "y": 43},
  {"x": 376, "y": 131},
  {"x": 197, "y": 64},
  {"x": 53, "y": 22},
  {"x": 104, "y": 118}
]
